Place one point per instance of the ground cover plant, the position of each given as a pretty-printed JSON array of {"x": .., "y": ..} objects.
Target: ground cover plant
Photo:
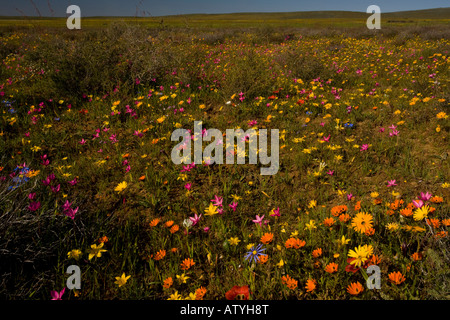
[{"x": 86, "y": 176}]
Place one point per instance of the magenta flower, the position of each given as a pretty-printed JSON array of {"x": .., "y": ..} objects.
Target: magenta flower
[
  {"x": 276, "y": 212},
  {"x": 34, "y": 206},
  {"x": 82, "y": 141},
  {"x": 66, "y": 205},
  {"x": 364, "y": 147},
  {"x": 258, "y": 220},
  {"x": 206, "y": 229},
  {"x": 394, "y": 133},
  {"x": 425, "y": 196},
  {"x": 233, "y": 206},
  {"x": 57, "y": 295},
  {"x": 391, "y": 183},
  {"x": 188, "y": 186},
  {"x": 326, "y": 139},
  {"x": 331, "y": 172},
  {"x": 56, "y": 189},
  {"x": 349, "y": 196},
  {"x": 71, "y": 212},
  {"x": 73, "y": 182},
  {"x": 31, "y": 196},
  {"x": 381, "y": 130},
  {"x": 217, "y": 201}
]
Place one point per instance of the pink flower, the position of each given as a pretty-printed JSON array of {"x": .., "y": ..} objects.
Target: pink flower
[
  {"x": 57, "y": 295},
  {"x": 394, "y": 133},
  {"x": 82, "y": 141},
  {"x": 258, "y": 220},
  {"x": 391, "y": 183},
  {"x": 31, "y": 196},
  {"x": 188, "y": 186},
  {"x": 364, "y": 147},
  {"x": 73, "y": 182},
  {"x": 233, "y": 206},
  {"x": 381, "y": 130},
  {"x": 56, "y": 189},
  {"x": 331, "y": 172},
  {"x": 195, "y": 219},
  {"x": 206, "y": 229},
  {"x": 326, "y": 139},
  {"x": 417, "y": 203},
  {"x": 349, "y": 196}
]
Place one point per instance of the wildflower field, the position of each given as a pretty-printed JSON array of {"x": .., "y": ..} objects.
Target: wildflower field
[{"x": 87, "y": 178}]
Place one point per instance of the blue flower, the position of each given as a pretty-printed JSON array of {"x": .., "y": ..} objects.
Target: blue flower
[
  {"x": 348, "y": 125},
  {"x": 254, "y": 253},
  {"x": 308, "y": 112}
]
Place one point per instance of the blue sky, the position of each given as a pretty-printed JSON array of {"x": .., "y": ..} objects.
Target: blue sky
[{"x": 167, "y": 7}]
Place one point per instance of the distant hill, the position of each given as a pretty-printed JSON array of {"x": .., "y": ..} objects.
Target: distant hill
[{"x": 436, "y": 13}]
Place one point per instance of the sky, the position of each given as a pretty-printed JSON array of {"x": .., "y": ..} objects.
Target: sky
[{"x": 57, "y": 8}]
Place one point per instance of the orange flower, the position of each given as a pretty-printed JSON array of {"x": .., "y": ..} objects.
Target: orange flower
[
  {"x": 390, "y": 212},
  {"x": 310, "y": 285},
  {"x": 358, "y": 206},
  {"x": 436, "y": 199},
  {"x": 344, "y": 217},
  {"x": 328, "y": 221},
  {"x": 317, "y": 252},
  {"x": 396, "y": 277},
  {"x": 169, "y": 223},
  {"x": 410, "y": 206},
  {"x": 434, "y": 222},
  {"x": 142, "y": 178},
  {"x": 294, "y": 243},
  {"x": 441, "y": 234},
  {"x": 174, "y": 229},
  {"x": 396, "y": 204},
  {"x": 263, "y": 258},
  {"x": 154, "y": 222},
  {"x": 173, "y": 250},
  {"x": 187, "y": 263},
  {"x": 446, "y": 222},
  {"x": 355, "y": 288},
  {"x": 377, "y": 201},
  {"x": 337, "y": 210},
  {"x": 200, "y": 293},
  {"x": 289, "y": 282},
  {"x": 160, "y": 255},
  {"x": 168, "y": 283},
  {"x": 416, "y": 256},
  {"x": 331, "y": 267},
  {"x": 238, "y": 293},
  {"x": 369, "y": 232},
  {"x": 103, "y": 239},
  {"x": 267, "y": 238},
  {"x": 376, "y": 260},
  {"x": 407, "y": 212}
]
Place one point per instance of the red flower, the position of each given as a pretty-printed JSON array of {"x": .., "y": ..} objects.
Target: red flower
[
  {"x": 301, "y": 101},
  {"x": 238, "y": 293},
  {"x": 351, "y": 267}
]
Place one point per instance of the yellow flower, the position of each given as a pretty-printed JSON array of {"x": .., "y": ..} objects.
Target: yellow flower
[
  {"x": 421, "y": 213},
  {"x": 312, "y": 204},
  {"x": 250, "y": 245},
  {"x": 211, "y": 210},
  {"x": 35, "y": 149},
  {"x": 121, "y": 186},
  {"x": 235, "y": 197},
  {"x": 343, "y": 241},
  {"x": 160, "y": 120},
  {"x": 311, "y": 225},
  {"x": 122, "y": 279},
  {"x": 182, "y": 278},
  {"x": 392, "y": 226},
  {"x": 361, "y": 254},
  {"x": 96, "y": 251},
  {"x": 445, "y": 185},
  {"x": 234, "y": 241},
  {"x": 374, "y": 194},
  {"x": 175, "y": 296},
  {"x": 442, "y": 115},
  {"x": 438, "y": 128},
  {"x": 74, "y": 254},
  {"x": 280, "y": 264}
]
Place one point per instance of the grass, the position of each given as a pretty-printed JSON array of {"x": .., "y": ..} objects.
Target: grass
[{"x": 88, "y": 110}]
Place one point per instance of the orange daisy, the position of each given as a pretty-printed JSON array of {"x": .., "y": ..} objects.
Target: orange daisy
[
  {"x": 331, "y": 267},
  {"x": 344, "y": 217},
  {"x": 317, "y": 252},
  {"x": 406, "y": 212},
  {"x": 396, "y": 277},
  {"x": 168, "y": 283},
  {"x": 337, "y": 210},
  {"x": 169, "y": 223},
  {"x": 267, "y": 238},
  {"x": 160, "y": 255},
  {"x": 310, "y": 285},
  {"x": 154, "y": 222},
  {"x": 289, "y": 282},
  {"x": 416, "y": 256},
  {"x": 355, "y": 288},
  {"x": 328, "y": 221},
  {"x": 174, "y": 228},
  {"x": 187, "y": 263},
  {"x": 200, "y": 293},
  {"x": 294, "y": 243}
]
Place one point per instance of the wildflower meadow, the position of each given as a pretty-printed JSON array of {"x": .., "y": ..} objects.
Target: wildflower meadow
[{"x": 93, "y": 207}]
